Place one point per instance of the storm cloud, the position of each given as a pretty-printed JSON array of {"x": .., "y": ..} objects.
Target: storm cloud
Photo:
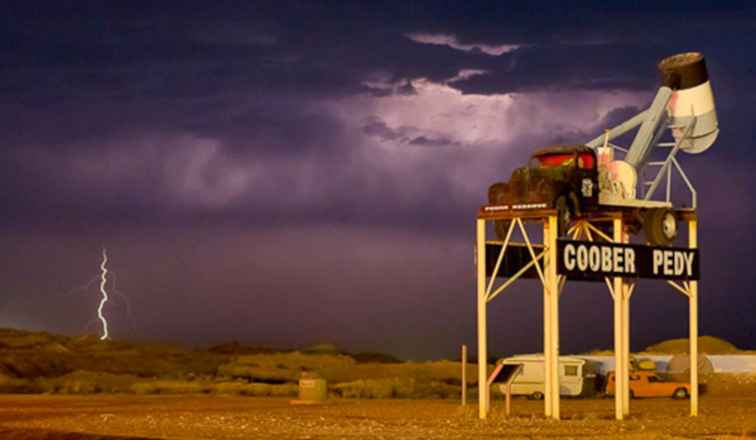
[{"x": 331, "y": 156}]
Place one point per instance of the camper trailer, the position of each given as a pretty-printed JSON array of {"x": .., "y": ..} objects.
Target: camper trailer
[{"x": 577, "y": 377}]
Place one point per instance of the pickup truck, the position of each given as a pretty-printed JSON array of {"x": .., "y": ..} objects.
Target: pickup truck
[{"x": 650, "y": 384}]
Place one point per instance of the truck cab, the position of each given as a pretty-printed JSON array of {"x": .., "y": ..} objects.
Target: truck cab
[{"x": 563, "y": 177}]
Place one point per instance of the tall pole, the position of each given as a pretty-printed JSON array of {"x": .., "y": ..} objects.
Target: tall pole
[
  {"x": 693, "y": 322},
  {"x": 625, "y": 340},
  {"x": 619, "y": 361},
  {"x": 464, "y": 375},
  {"x": 547, "y": 333},
  {"x": 551, "y": 279},
  {"x": 480, "y": 261}
]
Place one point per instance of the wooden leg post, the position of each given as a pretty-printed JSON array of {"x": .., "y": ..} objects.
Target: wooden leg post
[
  {"x": 619, "y": 361},
  {"x": 693, "y": 323},
  {"x": 464, "y": 375},
  {"x": 551, "y": 280},
  {"x": 547, "y": 334},
  {"x": 480, "y": 254}
]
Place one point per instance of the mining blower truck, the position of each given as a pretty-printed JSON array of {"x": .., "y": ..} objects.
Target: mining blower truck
[{"x": 581, "y": 179}]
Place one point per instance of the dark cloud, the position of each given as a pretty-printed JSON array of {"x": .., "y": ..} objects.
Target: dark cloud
[{"x": 224, "y": 126}]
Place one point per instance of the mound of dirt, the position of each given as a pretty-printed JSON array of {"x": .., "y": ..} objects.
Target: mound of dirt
[{"x": 706, "y": 344}]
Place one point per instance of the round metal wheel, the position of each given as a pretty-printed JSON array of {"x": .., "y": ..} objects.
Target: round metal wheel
[
  {"x": 537, "y": 395},
  {"x": 660, "y": 226},
  {"x": 680, "y": 393}
]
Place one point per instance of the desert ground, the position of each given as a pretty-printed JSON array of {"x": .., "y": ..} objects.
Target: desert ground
[
  {"x": 59, "y": 387},
  {"x": 232, "y": 417}
]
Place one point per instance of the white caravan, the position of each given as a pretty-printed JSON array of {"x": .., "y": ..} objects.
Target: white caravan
[{"x": 577, "y": 377}]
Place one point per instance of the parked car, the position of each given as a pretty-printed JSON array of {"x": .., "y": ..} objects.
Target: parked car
[{"x": 650, "y": 384}]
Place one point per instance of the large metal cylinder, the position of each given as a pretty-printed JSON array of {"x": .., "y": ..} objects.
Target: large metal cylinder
[{"x": 692, "y": 97}]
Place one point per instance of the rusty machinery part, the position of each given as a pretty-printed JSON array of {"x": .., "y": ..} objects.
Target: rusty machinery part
[
  {"x": 496, "y": 196},
  {"x": 683, "y": 70},
  {"x": 686, "y": 75},
  {"x": 497, "y": 192},
  {"x": 660, "y": 226},
  {"x": 501, "y": 227},
  {"x": 564, "y": 214}
]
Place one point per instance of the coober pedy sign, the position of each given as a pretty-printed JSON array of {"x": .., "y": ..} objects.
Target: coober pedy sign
[{"x": 586, "y": 260}]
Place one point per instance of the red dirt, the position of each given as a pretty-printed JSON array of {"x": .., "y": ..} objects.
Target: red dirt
[{"x": 213, "y": 417}]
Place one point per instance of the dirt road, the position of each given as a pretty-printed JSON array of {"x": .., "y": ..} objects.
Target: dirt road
[{"x": 214, "y": 417}]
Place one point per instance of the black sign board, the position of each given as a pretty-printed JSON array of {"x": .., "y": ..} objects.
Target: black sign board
[
  {"x": 592, "y": 261},
  {"x": 588, "y": 260}
]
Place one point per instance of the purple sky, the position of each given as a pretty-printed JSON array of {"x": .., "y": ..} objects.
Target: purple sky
[{"x": 297, "y": 172}]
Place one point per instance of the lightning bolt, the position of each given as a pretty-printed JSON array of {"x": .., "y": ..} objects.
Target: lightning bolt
[{"x": 103, "y": 281}]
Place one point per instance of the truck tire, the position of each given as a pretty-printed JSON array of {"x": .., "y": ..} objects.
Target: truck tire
[
  {"x": 564, "y": 215},
  {"x": 536, "y": 396},
  {"x": 660, "y": 226},
  {"x": 680, "y": 393}
]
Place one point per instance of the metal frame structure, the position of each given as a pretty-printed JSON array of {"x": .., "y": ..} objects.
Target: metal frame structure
[
  {"x": 544, "y": 263},
  {"x": 652, "y": 137}
]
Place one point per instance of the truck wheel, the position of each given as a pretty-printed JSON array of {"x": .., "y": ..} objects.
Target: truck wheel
[
  {"x": 660, "y": 226},
  {"x": 537, "y": 396},
  {"x": 680, "y": 393},
  {"x": 632, "y": 394},
  {"x": 564, "y": 216}
]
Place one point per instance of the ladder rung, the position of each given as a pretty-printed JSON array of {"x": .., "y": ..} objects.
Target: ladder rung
[
  {"x": 666, "y": 144},
  {"x": 656, "y": 164}
]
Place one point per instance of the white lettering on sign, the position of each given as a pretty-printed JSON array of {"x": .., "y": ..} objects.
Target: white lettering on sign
[
  {"x": 582, "y": 258},
  {"x": 569, "y": 257},
  {"x": 617, "y": 257},
  {"x": 606, "y": 259},
  {"x": 630, "y": 260},
  {"x": 658, "y": 260},
  {"x": 668, "y": 262},
  {"x": 594, "y": 258},
  {"x": 598, "y": 258},
  {"x": 689, "y": 263},
  {"x": 673, "y": 262}
]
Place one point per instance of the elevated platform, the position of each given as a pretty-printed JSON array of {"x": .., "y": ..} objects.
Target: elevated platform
[{"x": 625, "y": 213}]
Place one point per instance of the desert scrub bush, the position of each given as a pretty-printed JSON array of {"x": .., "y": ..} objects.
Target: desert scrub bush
[
  {"x": 18, "y": 386},
  {"x": 257, "y": 373},
  {"x": 446, "y": 371},
  {"x": 242, "y": 389},
  {"x": 376, "y": 388},
  {"x": 283, "y": 390},
  {"x": 436, "y": 390},
  {"x": 294, "y": 360},
  {"x": 170, "y": 387},
  {"x": 87, "y": 382}
]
